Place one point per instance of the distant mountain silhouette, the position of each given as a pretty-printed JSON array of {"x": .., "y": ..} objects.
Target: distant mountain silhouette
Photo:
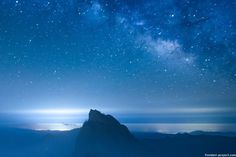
[
  {"x": 103, "y": 136},
  {"x": 226, "y": 134}
]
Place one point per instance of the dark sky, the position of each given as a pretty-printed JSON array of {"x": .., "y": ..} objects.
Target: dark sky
[{"x": 164, "y": 59}]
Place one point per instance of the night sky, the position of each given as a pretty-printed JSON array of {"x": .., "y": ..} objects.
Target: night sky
[{"x": 154, "y": 61}]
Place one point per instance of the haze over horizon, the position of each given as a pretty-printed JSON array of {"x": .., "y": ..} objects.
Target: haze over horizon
[{"x": 160, "y": 65}]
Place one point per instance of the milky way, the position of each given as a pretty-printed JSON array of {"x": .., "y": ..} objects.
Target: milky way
[{"x": 121, "y": 55}]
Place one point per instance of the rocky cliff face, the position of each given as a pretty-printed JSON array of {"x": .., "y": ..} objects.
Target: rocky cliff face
[
  {"x": 104, "y": 126},
  {"x": 103, "y": 136}
]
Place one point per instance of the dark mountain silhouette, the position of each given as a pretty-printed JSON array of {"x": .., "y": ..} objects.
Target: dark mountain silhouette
[
  {"x": 103, "y": 136},
  {"x": 100, "y": 125}
]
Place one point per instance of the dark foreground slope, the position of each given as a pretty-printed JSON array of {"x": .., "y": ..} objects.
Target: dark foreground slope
[
  {"x": 185, "y": 145},
  {"x": 30, "y": 143}
]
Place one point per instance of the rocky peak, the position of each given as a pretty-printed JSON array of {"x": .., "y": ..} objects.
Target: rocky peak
[
  {"x": 101, "y": 125},
  {"x": 103, "y": 136},
  {"x": 96, "y": 116}
]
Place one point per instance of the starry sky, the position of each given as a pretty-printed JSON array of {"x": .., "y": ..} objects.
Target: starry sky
[{"x": 154, "y": 61}]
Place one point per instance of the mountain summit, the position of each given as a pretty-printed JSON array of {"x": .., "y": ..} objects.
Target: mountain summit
[
  {"x": 103, "y": 136},
  {"x": 97, "y": 116},
  {"x": 104, "y": 127}
]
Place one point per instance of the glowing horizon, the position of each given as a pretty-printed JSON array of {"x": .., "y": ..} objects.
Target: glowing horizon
[
  {"x": 74, "y": 111},
  {"x": 177, "y": 119}
]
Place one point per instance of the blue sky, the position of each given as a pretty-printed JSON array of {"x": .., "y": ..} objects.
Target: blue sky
[{"x": 172, "y": 61}]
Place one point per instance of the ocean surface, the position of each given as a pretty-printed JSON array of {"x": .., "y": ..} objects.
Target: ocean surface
[{"x": 141, "y": 127}]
